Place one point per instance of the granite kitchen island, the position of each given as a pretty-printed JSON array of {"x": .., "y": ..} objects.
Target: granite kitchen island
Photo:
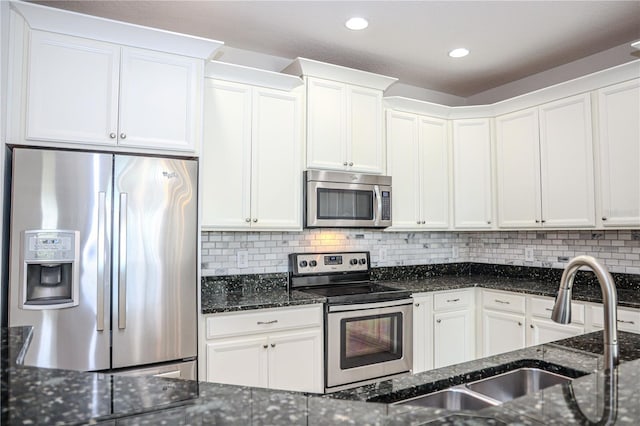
[{"x": 47, "y": 396}]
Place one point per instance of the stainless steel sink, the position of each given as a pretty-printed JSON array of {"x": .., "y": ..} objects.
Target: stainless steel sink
[
  {"x": 456, "y": 398},
  {"x": 516, "y": 383}
]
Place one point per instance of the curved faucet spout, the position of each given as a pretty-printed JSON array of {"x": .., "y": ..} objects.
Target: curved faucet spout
[{"x": 562, "y": 307}]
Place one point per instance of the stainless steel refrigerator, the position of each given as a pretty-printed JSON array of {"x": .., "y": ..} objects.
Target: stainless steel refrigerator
[{"x": 103, "y": 260}]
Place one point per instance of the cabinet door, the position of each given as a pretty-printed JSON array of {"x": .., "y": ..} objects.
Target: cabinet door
[
  {"x": 326, "y": 126},
  {"x": 225, "y": 164},
  {"x": 295, "y": 361},
  {"x": 422, "y": 333},
  {"x": 619, "y": 113},
  {"x": 404, "y": 166},
  {"x": 72, "y": 89},
  {"x": 276, "y": 178},
  {"x": 544, "y": 331},
  {"x": 365, "y": 145},
  {"x": 567, "y": 163},
  {"x": 502, "y": 332},
  {"x": 453, "y": 338},
  {"x": 159, "y": 100},
  {"x": 472, "y": 173},
  {"x": 238, "y": 361},
  {"x": 434, "y": 173},
  {"x": 518, "y": 169}
]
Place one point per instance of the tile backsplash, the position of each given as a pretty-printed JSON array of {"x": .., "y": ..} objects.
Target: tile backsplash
[{"x": 266, "y": 252}]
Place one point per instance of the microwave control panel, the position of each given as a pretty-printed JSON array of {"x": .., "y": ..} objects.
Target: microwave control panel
[{"x": 386, "y": 205}]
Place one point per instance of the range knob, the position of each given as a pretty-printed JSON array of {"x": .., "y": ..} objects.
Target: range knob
[
  {"x": 313, "y": 263},
  {"x": 303, "y": 263},
  {"x": 363, "y": 261},
  {"x": 353, "y": 261}
]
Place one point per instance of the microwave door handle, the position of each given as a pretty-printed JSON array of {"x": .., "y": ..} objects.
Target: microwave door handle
[{"x": 377, "y": 212}]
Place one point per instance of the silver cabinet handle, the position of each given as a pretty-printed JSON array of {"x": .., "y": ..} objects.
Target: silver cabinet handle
[
  {"x": 248, "y": 220},
  {"x": 273, "y": 345},
  {"x": 626, "y": 322},
  {"x": 122, "y": 269},
  {"x": 453, "y": 300},
  {"x": 504, "y": 302},
  {"x": 351, "y": 163},
  {"x": 112, "y": 135},
  {"x": 102, "y": 231},
  {"x": 345, "y": 163},
  {"x": 255, "y": 220},
  {"x": 267, "y": 322},
  {"x": 438, "y": 321},
  {"x": 123, "y": 135}
]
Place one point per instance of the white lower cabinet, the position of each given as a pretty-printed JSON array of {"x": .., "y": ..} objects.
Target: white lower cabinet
[
  {"x": 542, "y": 329},
  {"x": 271, "y": 348},
  {"x": 503, "y": 322},
  {"x": 422, "y": 332},
  {"x": 453, "y": 327}
]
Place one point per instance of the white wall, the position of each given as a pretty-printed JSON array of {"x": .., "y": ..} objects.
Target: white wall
[{"x": 267, "y": 251}]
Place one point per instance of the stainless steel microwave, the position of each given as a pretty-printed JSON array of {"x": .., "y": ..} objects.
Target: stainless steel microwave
[{"x": 347, "y": 200}]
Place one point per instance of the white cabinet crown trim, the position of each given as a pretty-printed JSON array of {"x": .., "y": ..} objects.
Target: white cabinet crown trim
[
  {"x": 309, "y": 67},
  {"x": 96, "y": 28},
  {"x": 253, "y": 76}
]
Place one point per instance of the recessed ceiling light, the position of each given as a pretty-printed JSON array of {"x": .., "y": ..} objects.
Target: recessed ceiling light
[
  {"x": 356, "y": 23},
  {"x": 459, "y": 53}
]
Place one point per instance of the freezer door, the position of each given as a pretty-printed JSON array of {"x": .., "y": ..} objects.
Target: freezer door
[
  {"x": 70, "y": 192},
  {"x": 155, "y": 265}
]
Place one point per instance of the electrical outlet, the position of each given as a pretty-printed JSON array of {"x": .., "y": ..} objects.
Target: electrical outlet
[
  {"x": 528, "y": 254},
  {"x": 382, "y": 254},
  {"x": 243, "y": 259},
  {"x": 454, "y": 252}
]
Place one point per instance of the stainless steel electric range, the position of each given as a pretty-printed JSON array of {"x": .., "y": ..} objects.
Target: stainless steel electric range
[{"x": 367, "y": 326}]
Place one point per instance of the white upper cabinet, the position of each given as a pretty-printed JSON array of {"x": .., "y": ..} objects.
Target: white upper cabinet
[
  {"x": 91, "y": 92},
  {"x": 472, "y": 173},
  {"x": 251, "y": 163},
  {"x": 619, "y": 149},
  {"x": 344, "y": 128},
  {"x": 566, "y": 163},
  {"x": 544, "y": 164},
  {"x": 418, "y": 161}
]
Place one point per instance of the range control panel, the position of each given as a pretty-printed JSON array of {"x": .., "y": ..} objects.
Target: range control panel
[{"x": 322, "y": 263}]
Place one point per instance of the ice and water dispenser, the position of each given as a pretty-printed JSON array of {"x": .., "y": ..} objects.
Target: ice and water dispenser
[{"x": 50, "y": 269}]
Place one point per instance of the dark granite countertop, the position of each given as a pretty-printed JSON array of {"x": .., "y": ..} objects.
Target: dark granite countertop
[
  {"x": 49, "y": 396},
  {"x": 225, "y": 297}
]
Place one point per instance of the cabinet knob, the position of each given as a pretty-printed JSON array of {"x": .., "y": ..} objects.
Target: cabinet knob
[
  {"x": 273, "y": 345},
  {"x": 345, "y": 164},
  {"x": 248, "y": 220},
  {"x": 418, "y": 222},
  {"x": 123, "y": 135},
  {"x": 438, "y": 321},
  {"x": 543, "y": 221},
  {"x": 351, "y": 163},
  {"x": 255, "y": 220},
  {"x": 417, "y": 304},
  {"x": 424, "y": 221},
  {"x": 112, "y": 135},
  {"x": 519, "y": 323},
  {"x": 531, "y": 325},
  {"x": 537, "y": 221},
  {"x": 488, "y": 222},
  {"x": 604, "y": 218},
  {"x": 265, "y": 346}
]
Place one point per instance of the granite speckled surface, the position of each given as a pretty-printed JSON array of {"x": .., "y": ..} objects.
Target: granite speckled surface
[
  {"x": 235, "y": 293},
  {"x": 48, "y": 396}
]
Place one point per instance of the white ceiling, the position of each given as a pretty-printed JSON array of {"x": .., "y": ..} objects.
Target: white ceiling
[{"x": 508, "y": 40}]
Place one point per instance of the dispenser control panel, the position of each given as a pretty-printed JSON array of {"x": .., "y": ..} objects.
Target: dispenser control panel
[{"x": 50, "y": 245}]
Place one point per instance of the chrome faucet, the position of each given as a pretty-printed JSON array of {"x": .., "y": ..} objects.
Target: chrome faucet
[{"x": 562, "y": 308}]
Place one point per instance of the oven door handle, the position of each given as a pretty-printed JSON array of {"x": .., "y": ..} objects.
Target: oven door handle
[{"x": 360, "y": 306}]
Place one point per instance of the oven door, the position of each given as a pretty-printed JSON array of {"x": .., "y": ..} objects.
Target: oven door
[
  {"x": 368, "y": 341},
  {"x": 334, "y": 204}
]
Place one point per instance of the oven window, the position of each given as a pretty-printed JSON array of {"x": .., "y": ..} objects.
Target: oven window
[
  {"x": 344, "y": 204},
  {"x": 370, "y": 340}
]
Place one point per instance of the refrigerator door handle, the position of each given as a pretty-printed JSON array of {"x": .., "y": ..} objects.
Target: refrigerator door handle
[
  {"x": 102, "y": 224},
  {"x": 122, "y": 263}
]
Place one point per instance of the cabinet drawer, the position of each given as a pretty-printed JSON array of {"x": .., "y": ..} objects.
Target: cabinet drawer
[
  {"x": 503, "y": 301},
  {"x": 628, "y": 320},
  {"x": 262, "y": 320},
  {"x": 452, "y": 300},
  {"x": 543, "y": 306}
]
